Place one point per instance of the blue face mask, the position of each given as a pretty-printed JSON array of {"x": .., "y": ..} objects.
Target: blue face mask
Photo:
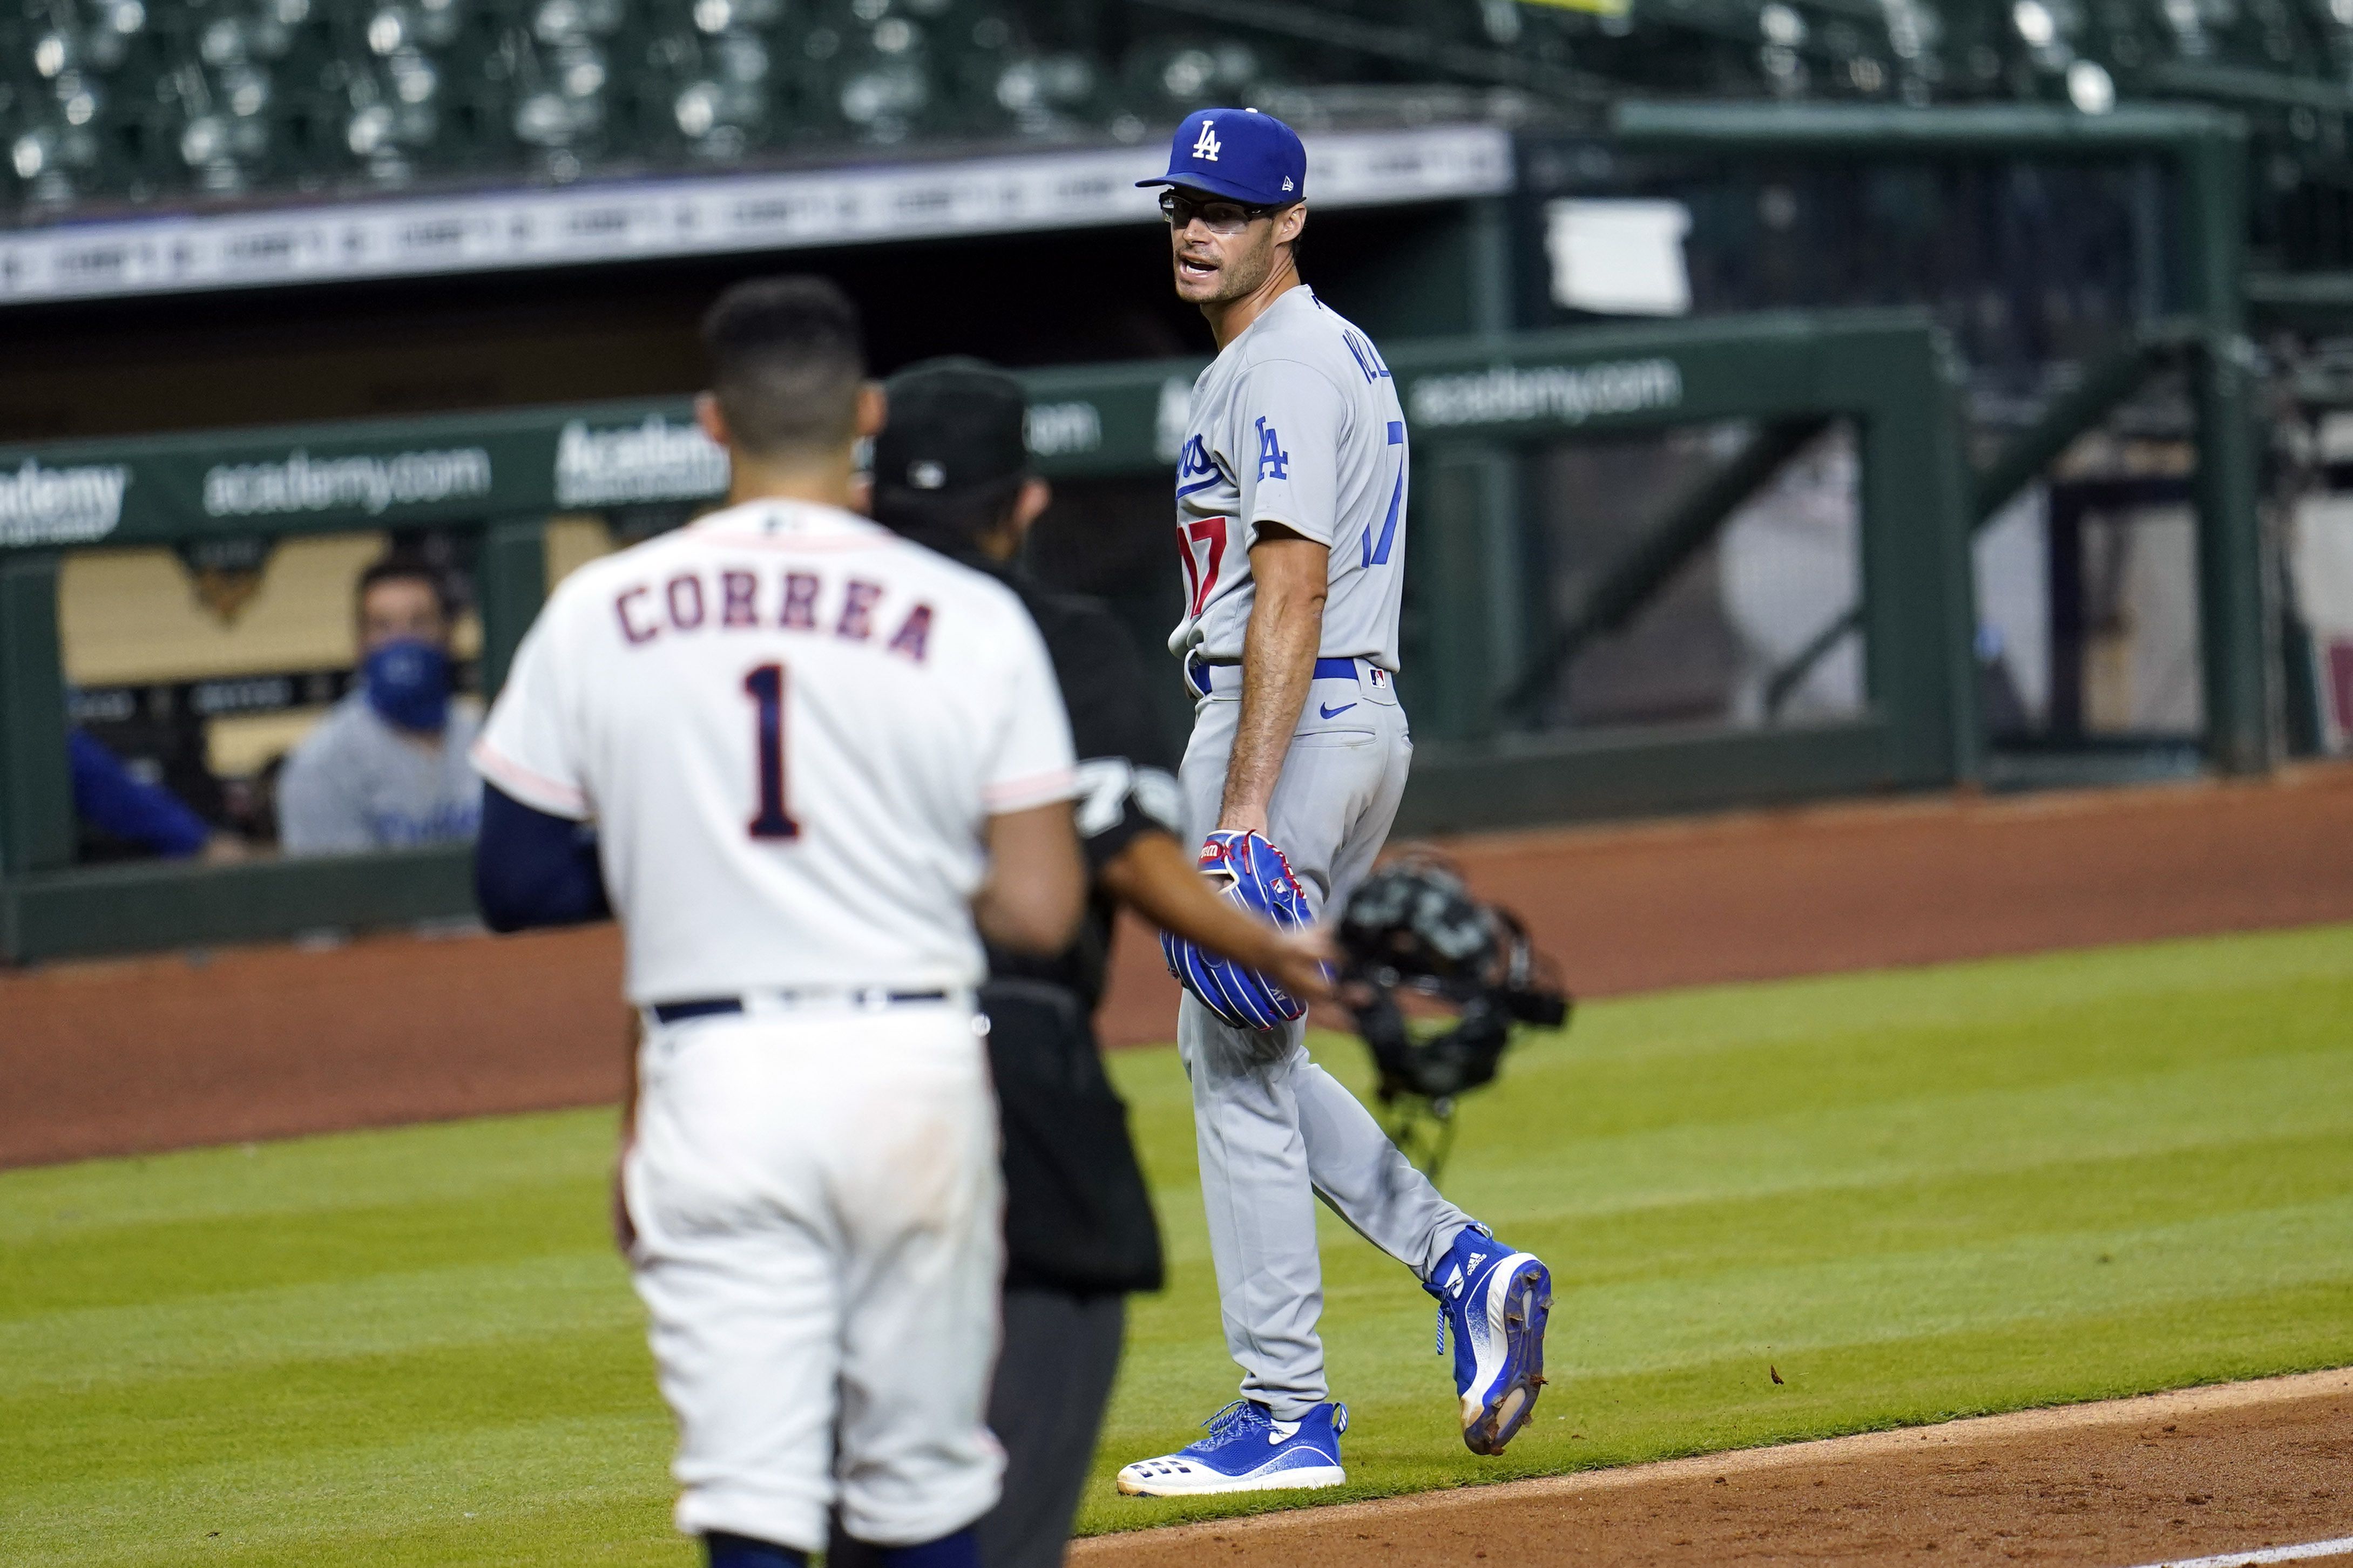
[{"x": 409, "y": 684}]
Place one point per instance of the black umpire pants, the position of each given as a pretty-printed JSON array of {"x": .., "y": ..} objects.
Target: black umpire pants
[{"x": 1053, "y": 1379}]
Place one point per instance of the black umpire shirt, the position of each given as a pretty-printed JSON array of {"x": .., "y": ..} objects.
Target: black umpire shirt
[
  {"x": 1127, "y": 781},
  {"x": 1078, "y": 1216}
]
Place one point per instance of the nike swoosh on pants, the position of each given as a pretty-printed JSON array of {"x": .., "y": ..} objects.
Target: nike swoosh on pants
[{"x": 1334, "y": 712}]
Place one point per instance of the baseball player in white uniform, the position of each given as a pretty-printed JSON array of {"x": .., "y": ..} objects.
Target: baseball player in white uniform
[
  {"x": 817, "y": 757},
  {"x": 1290, "y": 513}
]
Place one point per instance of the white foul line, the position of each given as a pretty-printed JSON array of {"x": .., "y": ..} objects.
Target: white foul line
[{"x": 2341, "y": 1546}]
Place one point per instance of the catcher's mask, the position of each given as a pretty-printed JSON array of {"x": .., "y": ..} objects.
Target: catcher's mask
[{"x": 1414, "y": 928}]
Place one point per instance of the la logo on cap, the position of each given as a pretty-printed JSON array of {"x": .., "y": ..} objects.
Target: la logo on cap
[{"x": 1205, "y": 146}]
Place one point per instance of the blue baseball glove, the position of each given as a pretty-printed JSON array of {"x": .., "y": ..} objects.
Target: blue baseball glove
[{"x": 1255, "y": 878}]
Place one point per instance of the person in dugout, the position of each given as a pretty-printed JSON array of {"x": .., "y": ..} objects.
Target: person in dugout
[
  {"x": 386, "y": 768},
  {"x": 114, "y": 802}
]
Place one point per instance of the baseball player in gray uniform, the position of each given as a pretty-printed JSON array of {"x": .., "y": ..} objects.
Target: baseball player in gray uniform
[{"x": 1290, "y": 513}]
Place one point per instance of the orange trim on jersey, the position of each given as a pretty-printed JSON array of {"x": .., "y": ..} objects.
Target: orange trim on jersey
[
  {"x": 1038, "y": 789},
  {"x": 553, "y": 797}
]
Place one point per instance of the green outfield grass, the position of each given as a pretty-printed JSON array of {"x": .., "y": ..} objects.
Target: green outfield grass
[{"x": 1917, "y": 1195}]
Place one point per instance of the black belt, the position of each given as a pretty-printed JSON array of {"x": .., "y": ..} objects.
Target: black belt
[{"x": 717, "y": 1007}]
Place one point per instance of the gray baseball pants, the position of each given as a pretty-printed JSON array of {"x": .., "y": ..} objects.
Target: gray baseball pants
[{"x": 1276, "y": 1132}]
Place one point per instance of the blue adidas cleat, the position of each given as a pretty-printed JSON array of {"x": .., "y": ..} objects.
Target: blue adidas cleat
[
  {"x": 1247, "y": 1450},
  {"x": 1496, "y": 1300}
]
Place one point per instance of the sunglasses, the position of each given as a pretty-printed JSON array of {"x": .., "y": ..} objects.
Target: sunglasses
[{"x": 1220, "y": 215}]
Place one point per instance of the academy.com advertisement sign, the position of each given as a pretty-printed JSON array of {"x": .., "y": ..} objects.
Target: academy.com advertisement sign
[
  {"x": 77, "y": 505},
  {"x": 320, "y": 484},
  {"x": 1567, "y": 394},
  {"x": 299, "y": 483},
  {"x": 463, "y": 470},
  {"x": 528, "y": 464},
  {"x": 320, "y": 479},
  {"x": 654, "y": 460}
]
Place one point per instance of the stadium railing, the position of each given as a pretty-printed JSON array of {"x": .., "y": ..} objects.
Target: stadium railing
[{"x": 2206, "y": 152}]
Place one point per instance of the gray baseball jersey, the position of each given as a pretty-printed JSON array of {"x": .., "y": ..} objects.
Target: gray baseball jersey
[
  {"x": 355, "y": 783},
  {"x": 1296, "y": 422}
]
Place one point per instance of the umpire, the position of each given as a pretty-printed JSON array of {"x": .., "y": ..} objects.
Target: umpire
[{"x": 951, "y": 471}]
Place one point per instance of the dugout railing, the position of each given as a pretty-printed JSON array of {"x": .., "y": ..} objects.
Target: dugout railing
[
  {"x": 2197, "y": 326},
  {"x": 1471, "y": 403}
]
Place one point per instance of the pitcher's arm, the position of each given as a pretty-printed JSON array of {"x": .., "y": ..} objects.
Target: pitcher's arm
[{"x": 1285, "y": 634}]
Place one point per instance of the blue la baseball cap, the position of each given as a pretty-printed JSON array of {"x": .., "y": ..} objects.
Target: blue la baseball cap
[{"x": 1238, "y": 153}]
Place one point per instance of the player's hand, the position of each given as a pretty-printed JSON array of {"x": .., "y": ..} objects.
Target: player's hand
[
  {"x": 225, "y": 849},
  {"x": 1297, "y": 960}
]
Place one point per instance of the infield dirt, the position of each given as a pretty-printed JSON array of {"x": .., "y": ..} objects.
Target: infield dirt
[
  {"x": 2130, "y": 1481},
  {"x": 157, "y": 1053}
]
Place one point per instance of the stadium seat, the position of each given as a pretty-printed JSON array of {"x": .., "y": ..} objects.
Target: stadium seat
[{"x": 107, "y": 104}]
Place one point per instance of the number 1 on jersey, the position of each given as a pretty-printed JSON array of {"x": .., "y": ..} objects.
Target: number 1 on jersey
[{"x": 765, "y": 686}]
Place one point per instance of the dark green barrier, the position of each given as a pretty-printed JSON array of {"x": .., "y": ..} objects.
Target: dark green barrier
[
  {"x": 177, "y": 903},
  {"x": 1883, "y": 369},
  {"x": 1468, "y": 402}
]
